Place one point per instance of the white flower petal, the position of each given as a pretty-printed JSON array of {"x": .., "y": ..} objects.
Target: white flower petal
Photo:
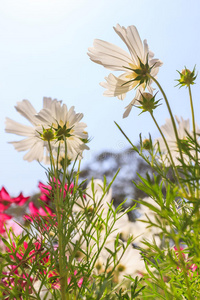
[
  {"x": 133, "y": 102},
  {"x": 109, "y": 55},
  {"x": 26, "y": 109},
  {"x": 23, "y": 145},
  {"x": 35, "y": 153},
  {"x": 115, "y": 86},
  {"x": 128, "y": 109},
  {"x": 131, "y": 38},
  {"x": 17, "y": 128},
  {"x": 48, "y": 102}
]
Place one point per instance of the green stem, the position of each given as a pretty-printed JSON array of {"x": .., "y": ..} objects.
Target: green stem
[
  {"x": 195, "y": 139},
  {"x": 170, "y": 112},
  {"x": 58, "y": 200},
  {"x": 77, "y": 176},
  {"x": 168, "y": 150},
  {"x": 175, "y": 129},
  {"x": 192, "y": 111}
]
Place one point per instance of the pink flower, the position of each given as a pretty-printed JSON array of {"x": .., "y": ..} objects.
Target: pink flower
[
  {"x": 69, "y": 280},
  {"x": 189, "y": 266},
  {"x": 19, "y": 280},
  {"x": 17, "y": 229},
  {"x": 20, "y": 200},
  {"x": 3, "y": 218},
  {"x": 47, "y": 193},
  {"x": 7, "y": 221},
  {"x": 6, "y": 200},
  {"x": 44, "y": 266},
  {"x": 36, "y": 212},
  {"x": 80, "y": 282},
  {"x": 32, "y": 254}
]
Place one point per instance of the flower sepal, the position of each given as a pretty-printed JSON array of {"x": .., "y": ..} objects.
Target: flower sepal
[
  {"x": 148, "y": 102},
  {"x": 143, "y": 72},
  {"x": 186, "y": 77},
  {"x": 47, "y": 134}
]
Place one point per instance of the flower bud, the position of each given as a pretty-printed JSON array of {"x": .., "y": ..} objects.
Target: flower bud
[
  {"x": 186, "y": 77},
  {"x": 148, "y": 102},
  {"x": 146, "y": 144}
]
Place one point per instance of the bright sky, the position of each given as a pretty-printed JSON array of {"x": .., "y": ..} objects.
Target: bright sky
[{"x": 43, "y": 53}]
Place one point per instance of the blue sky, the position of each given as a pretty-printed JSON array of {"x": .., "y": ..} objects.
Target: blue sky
[{"x": 43, "y": 53}]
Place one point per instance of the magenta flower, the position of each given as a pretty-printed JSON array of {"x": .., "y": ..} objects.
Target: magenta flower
[
  {"x": 3, "y": 218},
  {"x": 47, "y": 193},
  {"x": 189, "y": 264},
  {"x": 36, "y": 212},
  {"x": 6, "y": 200}
]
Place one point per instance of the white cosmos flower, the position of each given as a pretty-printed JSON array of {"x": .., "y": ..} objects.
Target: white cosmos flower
[
  {"x": 116, "y": 59},
  {"x": 64, "y": 123},
  {"x": 53, "y": 121},
  {"x": 168, "y": 131},
  {"x": 140, "y": 229},
  {"x": 130, "y": 261}
]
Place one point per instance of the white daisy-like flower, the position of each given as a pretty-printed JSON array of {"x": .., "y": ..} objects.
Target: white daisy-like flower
[
  {"x": 130, "y": 263},
  {"x": 137, "y": 66},
  {"x": 64, "y": 124},
  {"x": 168, "y": 131},
  {"x": 52, "y": 123}
]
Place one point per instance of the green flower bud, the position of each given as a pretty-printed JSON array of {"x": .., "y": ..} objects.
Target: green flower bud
[
  {"x": 146, "y": 144},
  {"x": 186, "y": 77},
  {"x": 148, "y": 102}
]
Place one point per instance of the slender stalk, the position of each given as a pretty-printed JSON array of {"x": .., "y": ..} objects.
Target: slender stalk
[
  {"x": 170, "y": 112},
  {"x": 77, "y": 176},
  {"x": 63, "y": 278},
  {"x": 195, "y": 139},
  {"x": 192, "y": 111},
  {"x": 175, "y": 129},
  {"x": 169, "y": 152},
  {"x": 196, "y": 156}
]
